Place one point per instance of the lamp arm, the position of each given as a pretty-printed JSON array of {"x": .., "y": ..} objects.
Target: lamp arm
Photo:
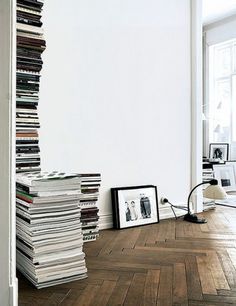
[{"x": 189, "y": 197}]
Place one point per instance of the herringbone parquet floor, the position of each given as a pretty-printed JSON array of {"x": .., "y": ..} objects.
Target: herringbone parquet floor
[{"x": 170, "y": 263}]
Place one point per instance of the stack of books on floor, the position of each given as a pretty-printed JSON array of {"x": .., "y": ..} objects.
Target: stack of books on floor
[
  {"x": 208, "y": 204},
  {"x": 30, "y": 46},
  {"x": 207, "y": 175},
  {"x": 48, "y": 226},
  {"x": 90, "y": 184}
]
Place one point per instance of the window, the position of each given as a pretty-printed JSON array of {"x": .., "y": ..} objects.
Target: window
[{"x": 222, "y": 93}]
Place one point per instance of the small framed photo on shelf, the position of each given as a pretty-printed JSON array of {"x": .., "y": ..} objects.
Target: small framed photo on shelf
[
  {"x": 219, "y": 151},
  {"x": 134, "y": 206},
  {"x": 226, "y": 176}
]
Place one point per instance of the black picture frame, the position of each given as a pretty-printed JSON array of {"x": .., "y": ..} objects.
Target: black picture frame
[
  {"x": 134, "y": 206},
  {"x": 223, "y": 150}
]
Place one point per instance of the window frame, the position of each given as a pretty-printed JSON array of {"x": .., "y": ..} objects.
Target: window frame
[{"x": 209, "y": 84}]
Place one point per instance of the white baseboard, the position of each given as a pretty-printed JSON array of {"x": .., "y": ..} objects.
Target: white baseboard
[
  {"x": 105, "y": 221},
  {"x": 14, "y": 293},
  {"x": 165, "y": 212}
]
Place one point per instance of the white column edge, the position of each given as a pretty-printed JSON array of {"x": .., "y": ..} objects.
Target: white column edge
[{"x": 196, "y": 101}]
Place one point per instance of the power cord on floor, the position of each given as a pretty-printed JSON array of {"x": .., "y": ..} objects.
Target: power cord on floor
[{"x": 172, "y": 206}]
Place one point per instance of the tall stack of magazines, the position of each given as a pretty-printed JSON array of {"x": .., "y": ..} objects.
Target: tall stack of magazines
[
  {"x": 30, "y": 46},
  {"x": 48, "y": 226}
]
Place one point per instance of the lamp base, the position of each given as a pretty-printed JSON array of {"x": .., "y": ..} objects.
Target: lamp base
[{"x": 194, "y": 219}]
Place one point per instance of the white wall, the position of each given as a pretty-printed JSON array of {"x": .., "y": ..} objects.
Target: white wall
[{"x": 115, "y": 93}]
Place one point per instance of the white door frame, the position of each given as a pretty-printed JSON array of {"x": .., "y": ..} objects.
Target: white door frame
[
  {"x": 196, "y": 99},
  {"x": 8, "y": 281}
]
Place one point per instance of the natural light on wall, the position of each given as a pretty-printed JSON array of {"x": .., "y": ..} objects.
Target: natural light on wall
[{"x": 222, "y": 92}]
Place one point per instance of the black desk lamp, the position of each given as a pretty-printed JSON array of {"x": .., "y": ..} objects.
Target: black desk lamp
[{"x": 214, "y": 191}]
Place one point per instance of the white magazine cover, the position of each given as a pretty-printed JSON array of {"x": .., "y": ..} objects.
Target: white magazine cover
[{"x": 54, "y": 178}]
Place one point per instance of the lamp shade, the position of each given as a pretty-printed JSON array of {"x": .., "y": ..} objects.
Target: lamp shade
[{"x": 214, "y": 192}]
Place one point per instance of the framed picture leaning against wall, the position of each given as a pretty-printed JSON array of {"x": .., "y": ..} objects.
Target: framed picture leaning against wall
[{"x": 134, "y": 206}]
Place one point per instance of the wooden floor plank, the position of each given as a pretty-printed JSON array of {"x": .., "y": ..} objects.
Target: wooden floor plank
[
  {"x": 110, "y": 243},
  {"x": 228, "y": 267},
  {"x": 71, "y": 297},
  {"x": 220, "y": 298},
  {"x": 193, "y": 280},
  {"x": 188, "y": 230},
  {"x": 135, "y": 293},
  {"x": 165, "y": 287},
  {"x": 87, "y": 296},
  {"x": 158, "y": 249},
  {"x": 143, "y": 236},
  {"x": 207, "y": 282},
  {"x": 162, "y": 233},
  {"x": 153, "y": 233},
  {"x": 119, "y": 293},
  {"x": 197, "y": 243},
  {"x": 179, "y": 232},
  {"x": 105, "y": 292},
  {"x": 97, "y": 274},
  {"x": 232, "y": 255},
  {"x": 151, "y": 288},
  {"x": 217, "y": 271},
  {"x": 57, "y": 298},
  {"x": 180, "y": 292}
]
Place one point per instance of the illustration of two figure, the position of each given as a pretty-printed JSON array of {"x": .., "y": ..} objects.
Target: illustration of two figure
[{"x": 145, "y": 208}]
